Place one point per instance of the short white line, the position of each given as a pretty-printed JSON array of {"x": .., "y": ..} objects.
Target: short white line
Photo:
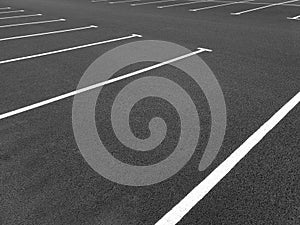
[
  {"x": 202, "y": 189},
  {"x": 154, "y": 2},
  {"x": 67, "y": 49},
  {"x": 47, "y": 33},
  {"x": 5, "y": 8},
  {"x": 294, "y": 18},
  {"x": 15, "y": 11},
  {"x": 21, "y": 16},
  {"x": 76, "y": 92},
  {"x": 262, "y": 7},
  {"x": 126, "y": 1},
  {"x": 185, "y": 3},
  {"x": 221, "y": 5},
  {"x": 32, "y": 23}
]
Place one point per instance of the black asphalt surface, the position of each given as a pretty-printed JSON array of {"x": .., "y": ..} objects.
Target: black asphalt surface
[{"x": 256, "y": 58}]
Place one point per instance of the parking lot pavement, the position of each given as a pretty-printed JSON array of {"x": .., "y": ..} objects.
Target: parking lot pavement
[{"x": 255, "y": 58}]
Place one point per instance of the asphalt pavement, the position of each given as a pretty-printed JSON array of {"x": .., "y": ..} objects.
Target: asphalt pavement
[{"x": 44, "y": 179}]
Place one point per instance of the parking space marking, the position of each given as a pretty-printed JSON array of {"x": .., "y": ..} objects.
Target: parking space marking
[
  {"x": 294, "y": 18},
  {"x": 95, "y": 1},
  {"x": 94, "y": 86},
  {"x": 202, "y": 189},
  {"x": 184, "y": 3},
  {"x": 21, "y": 16},
  {"x": 13, "y": 11},
  {"x": 32, "y": 23},
  {"x": 5, "y": 8},
  {"x": 221, "y": 5},
  {"x": 126, "y": 1},
  {"x": 154, "y": 2},
  {"x": 262, "y": 7},
  {"x": 48, "y": 33},
  {"x": 67, "y": 49}
]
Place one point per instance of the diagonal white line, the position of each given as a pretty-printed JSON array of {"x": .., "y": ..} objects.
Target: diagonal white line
[
  {"x": 48, "y": 33},
  {"x": 66, "y": 49},
  {"x": 76, "y": 92},
  {"x": 202, "y": 189},
  {"x": 14, "y": 11},
  {"x": 32, "y": 23},
  {"x": 221, "y": 5},
  {"x": 154, "y": 2},
  {"x": 262, "y": 7},
  {"x": 21, "y": 16}
]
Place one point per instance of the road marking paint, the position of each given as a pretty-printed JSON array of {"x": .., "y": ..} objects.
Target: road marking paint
[
  {"x": 47, "y": 33},
  {"x": 14, "y": 11},
  {"x": 262, "y": 7},
  {"x": 202, "y": 189},
  {"x": 221, "y": 5},
  {"x": 154, "y": 2},
  {"x": 21, "y": 16},
  {"x": 67, "y": 49},
  {"x": 294, "y": 18},
  {"x": 184, "y": 3},
  {"x": 5, "y": 8},
  {"x": 94, "y": 1},
  {"x": 32, "y": 23},
  {"x": 126, "y": 1},
  {"x": 94, "y": 86}
]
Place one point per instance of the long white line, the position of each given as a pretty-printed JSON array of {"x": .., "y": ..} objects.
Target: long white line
[
  {"x": 154, "y": 2},
  {"x": 126, "y": 1},
  {"x": 32, "y": 23},
  {"x": 221, "y": 5},
  {"x": 67, "y": 49},
  {"x": 47, "y": 33},
  {"x": 5, "y": 8},
  {"x": 21, "y": 16},
  {"x": 294, "y": 18},
  {"x": 262, "y": 7},
  {"x": 199, "y": 192},
  {"x": 184, "y": 3},
  {"x": 76, "y": 92},
  {"x": 95, "y": 1},
  {"x": 14, "y": 11}
]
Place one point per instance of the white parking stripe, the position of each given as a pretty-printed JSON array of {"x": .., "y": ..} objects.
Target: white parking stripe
[
  {"x": 202, "y": 189},
  {"x": 21, "y": 16},
  {"x": 14, "y": 11},
  {"x": 294, "y": 18},
  {"x": 262, "y": 7},
  {"x": 126, "y": 1},
  {"x": 67, "y": 49},
  {"x": 5, "y": 8},
  {"x": 217, "y": 6},
  {"x": 76, "y": 92},
  {"x": 154, "y": 2},
  {"x": 184, "y": 3},
  {"x": 47, "y": 33},
  {"x": 32, "y": 23},
  {"x": 95, "y": 1}
]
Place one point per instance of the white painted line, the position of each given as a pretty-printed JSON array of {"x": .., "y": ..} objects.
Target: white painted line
[
  {"x": 67, "y": 49},
  {"x": 47, "y": 33},
  {"x": 154, "y": 2},
  {"x": 21, "y": 16},
  {"x": 94, "y": 86},
  {"x": 5, "y": 8},
  {"x": 32, "y": 23},
  {"x": 202, "y": 189},
  {"x": 294, "y": 18},
  {"x": 126, "y": 1},
  {"x": 262, "y": 7},
  {"x": 95, "y": 1},
  {"x": 15, "y": 11},
  {"x": 221, "y": 5},
  {"x": 185, "y": 3}
]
